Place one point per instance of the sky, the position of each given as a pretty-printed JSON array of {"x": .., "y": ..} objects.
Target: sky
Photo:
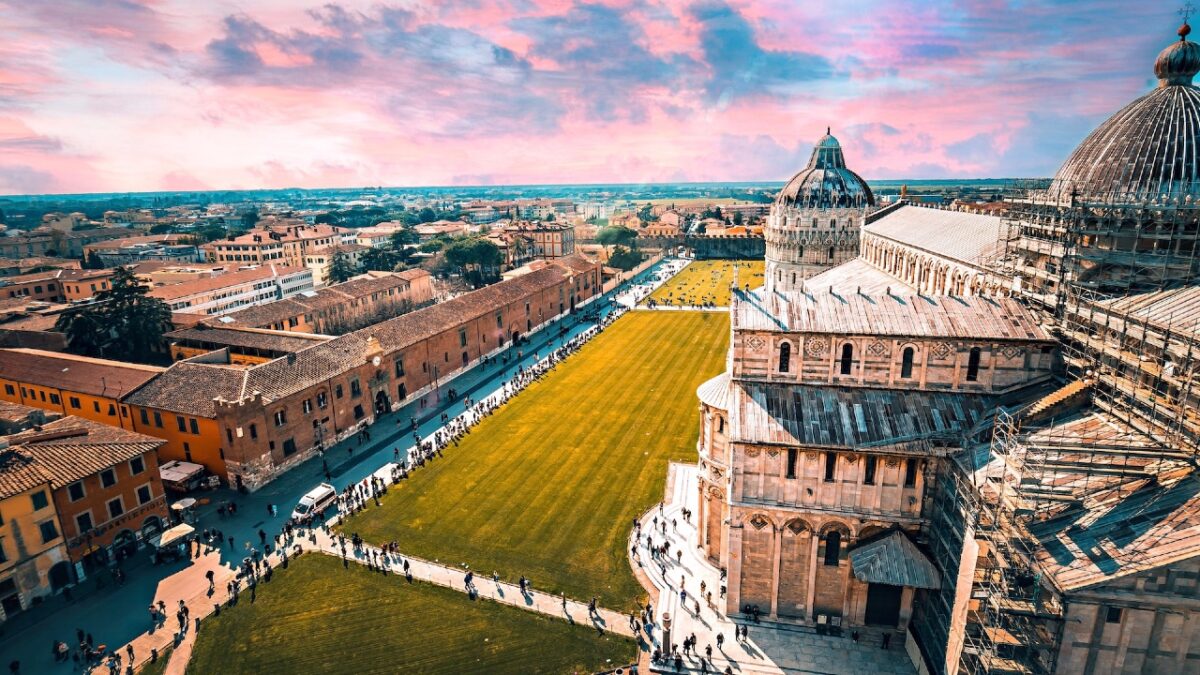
[{"x": 136, "y": 95}]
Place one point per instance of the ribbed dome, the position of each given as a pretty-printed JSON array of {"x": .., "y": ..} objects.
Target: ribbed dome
[
  {"x": 1150, "y": 147},
  {"x": 826, "y": 182}
]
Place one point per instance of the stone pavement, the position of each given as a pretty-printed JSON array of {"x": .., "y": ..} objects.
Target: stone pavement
[{"x": 770, "y": 649}]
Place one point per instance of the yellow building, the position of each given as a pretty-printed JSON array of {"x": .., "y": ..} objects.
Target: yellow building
[
  {"x": 33, "y": 556},
  {"x": 71, "y": 385}
]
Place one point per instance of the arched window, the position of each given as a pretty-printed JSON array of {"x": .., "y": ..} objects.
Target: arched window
[
  {"x": 785, "y": 357},
  {"x": 720, "y": 424},
  {"x": 906, "y": 364},
  {"x": 973, "y": 365},
  {"x": 833, "y": 548},
  {"x": 847, "y": 359}
]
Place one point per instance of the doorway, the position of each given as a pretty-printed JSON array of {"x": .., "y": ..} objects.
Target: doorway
[
  {"x": 382, "y": 402},
  {"x": 883, "y": 605}
]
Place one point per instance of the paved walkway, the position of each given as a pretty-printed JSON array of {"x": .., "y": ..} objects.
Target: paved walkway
[{"x": 769, "y": 650}]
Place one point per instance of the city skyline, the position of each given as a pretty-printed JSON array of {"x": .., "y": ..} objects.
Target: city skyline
[{"x": 157, "y": 95}]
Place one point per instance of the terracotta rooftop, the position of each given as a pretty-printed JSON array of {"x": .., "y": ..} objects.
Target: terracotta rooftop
[
  {"x": 330, "y": 296},
  {"x": 227, "y": 280},
  {"x": 191, "y": 385},
  {"x": 249, "y": 338},
  {"x": 73, "y": 448},
  {"x": 98, "y": 377},
  {"x": 846, "y": 312},
  {"x": 19, "y": 473}
]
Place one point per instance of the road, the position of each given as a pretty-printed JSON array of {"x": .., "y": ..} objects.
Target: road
[{"x": 114, "y": 615}]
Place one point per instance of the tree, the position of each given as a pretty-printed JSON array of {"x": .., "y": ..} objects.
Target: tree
[
  {"x": 340, "y": 268},
  {"x": 616, "y": 235},
  {"x": 249, "y": 218},
  {"x": 161, "y": 228},
  {"x": 737, "y": 218},
  {"x": 122, "y": 323},
  {"x": 379, "y": 259},
  {"x": 92, "y": 261},
  {"x": 474, "y": 254},
  {"x": 427, "y": 215},
  {"x": 403, "y": 237},
  {"x": 325, "y": 219}
]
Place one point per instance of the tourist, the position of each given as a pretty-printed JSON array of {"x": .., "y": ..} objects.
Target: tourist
[{"x": 720, "y": 640}]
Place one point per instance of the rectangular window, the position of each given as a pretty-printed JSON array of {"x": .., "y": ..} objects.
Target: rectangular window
[
  {"x": 83, "y": 522},
  {"x": 306, "y": 406},
  {"x": 337, "y": 391},
  {"x": 792, "y": 455},
  {"x": 910, "y": 472},
  {"x": 289, "y": 447},
  {"x": 280, "y": 418},
  {"x": 181, "y": 423},
  {"x": 76, "y": 491},
  {"x": 3, "y": 555},
  {"x": 157, "y": 419},
  {"x": 322, "y": 400},
  {"x": 869, "y": 470},
  {"x": 108, "y": 478},
  {"x": 187, "y": 452},
  {"x": 137, "y": 465},
  {"x": 145, "y": 417},
  {"x": 115, "y": 508},
  {"x": 253, "y": 431},
  {"x": 194, "y": 426},
  {"x": 10, "y": 390},
  {"x": 39, "y": 500},
  {"x": 49, "y": 531},
  {"x": 830, "y": 466},
  {"x": 399, "y": 366},
  {"x": 75, "y": 402},
  {"x": 54, "y": 399},
  {"x": 1113, "y": 615},
  {"x": 144, "y": 494},
  {"x": 42, "y": 395},
  {"x": 96, "y": 406}
]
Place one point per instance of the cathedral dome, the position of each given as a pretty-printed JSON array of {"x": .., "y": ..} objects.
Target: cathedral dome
[
  {"x": 1151, "y": 147},
  {"x": 826, "y": 182}
]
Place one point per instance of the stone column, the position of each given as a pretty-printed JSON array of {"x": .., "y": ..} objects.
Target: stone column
[
  {"x": 812, "y": 576},
  {"x": 906, "y": 609},
  {"x": 777, "y": 545}
]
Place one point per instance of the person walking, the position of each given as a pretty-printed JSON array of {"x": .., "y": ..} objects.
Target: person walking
[{"x": 720, "y": 640}]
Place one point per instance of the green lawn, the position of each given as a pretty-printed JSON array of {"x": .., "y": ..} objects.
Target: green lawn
[
  {"x": 709, "y": 280},
  {"x": 317, "y": 617},
  {"x": 158, "y": 667},
  {"x": 549, "y": 485}
]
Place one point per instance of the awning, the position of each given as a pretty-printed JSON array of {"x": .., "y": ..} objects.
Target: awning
[
  {"x": 182, "y": 504},
  {"x": 896, "y": 561},
  {"x": 171, "y": 536},
  {"x": 179, "y": 472}
]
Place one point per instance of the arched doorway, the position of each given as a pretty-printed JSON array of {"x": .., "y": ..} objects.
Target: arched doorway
[
  {"x": 516, "y": 337},
  {"x": 382, "y": 403},
  {"x": 151, "y": 526},
  {"x": 124, "y": 544},
  {"x": 60, "y": 576},
  {"x": 883, "y": 605}
]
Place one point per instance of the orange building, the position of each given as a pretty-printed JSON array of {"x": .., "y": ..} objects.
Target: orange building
[{"x": 71, "y": 385}]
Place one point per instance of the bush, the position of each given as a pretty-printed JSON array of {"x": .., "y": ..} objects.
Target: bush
[{"x": 625, "y": 259}]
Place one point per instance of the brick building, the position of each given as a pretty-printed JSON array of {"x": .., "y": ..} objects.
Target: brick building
[
  {"x": 272, "y": 416},
  {"x": 235, "y": 290},
  {"x": 105, "y": 486},
  {"x": 372, "y": 297}
]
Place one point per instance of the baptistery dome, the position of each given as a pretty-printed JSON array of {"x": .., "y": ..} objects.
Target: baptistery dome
[
  {"x": 814, "y": 222},
  {"x": 1150, "y": 149},
  {"x": 826, "y": 182}
]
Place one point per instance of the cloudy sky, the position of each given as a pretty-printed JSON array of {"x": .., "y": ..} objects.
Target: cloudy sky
[{"x": 106, "y": 95}]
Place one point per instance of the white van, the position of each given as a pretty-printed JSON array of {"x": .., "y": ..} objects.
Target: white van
[{"x": 315, "y": 501}]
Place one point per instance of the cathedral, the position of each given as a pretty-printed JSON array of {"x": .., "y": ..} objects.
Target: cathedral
[{"x": 976, "y": 433}]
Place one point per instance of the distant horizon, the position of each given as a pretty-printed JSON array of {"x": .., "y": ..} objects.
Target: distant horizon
[
  {"x": 512, "y": 186},
  {"x": 176, "y": 96}
]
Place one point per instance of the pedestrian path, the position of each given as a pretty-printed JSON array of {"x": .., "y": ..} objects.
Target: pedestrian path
[
  {"x": 769, "y": 650},
  {"x": 482, "y": 586}
]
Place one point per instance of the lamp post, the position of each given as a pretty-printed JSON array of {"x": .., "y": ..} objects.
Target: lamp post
[{"x": 666, "y": 640}]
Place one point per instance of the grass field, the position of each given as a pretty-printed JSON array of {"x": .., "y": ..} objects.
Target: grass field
[
  {"x": 317, "y": 617},
  {"x": 548, "y": 486},
  {"x": 708, "y": 281},
  {"x": 158, "y": 667}
]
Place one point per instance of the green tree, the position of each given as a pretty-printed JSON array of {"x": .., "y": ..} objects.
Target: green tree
[
  {"x": 325, "y": 219},
  {"x": 92, "y": 262},
  {"x": 249, "y": 218},
  {"x": 340, "y": 268},
  {"x": 379, "y": 259},
  {"x": 403, "y": 237},
  {"x": 427, "y": 215},
  {"x": 737, "y": 218},
  {"x": 475, "y": 255},
  {"x": 161, "y": 228},
  {"x": 122, "y": 323},
  {"x": 616, "y": 235}
]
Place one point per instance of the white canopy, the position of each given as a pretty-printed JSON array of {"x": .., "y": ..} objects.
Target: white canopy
[
  {"x": 172, "y": 536},
  {"x": 179, "y": 472}
]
